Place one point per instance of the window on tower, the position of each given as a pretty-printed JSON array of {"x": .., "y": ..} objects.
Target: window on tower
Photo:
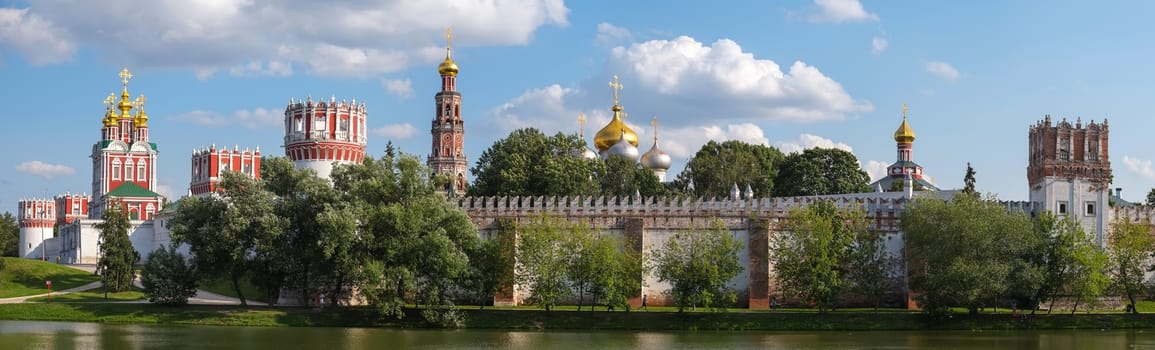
[
  {"x": 1064, "y": 154},
  {"x": 1061, "y": 207},
  {"x": 140, "y": 171},
  {"x": 116, "y": 169},
  {"x": 128, "y": 170},
  {"x": 1090, "y": 209}
]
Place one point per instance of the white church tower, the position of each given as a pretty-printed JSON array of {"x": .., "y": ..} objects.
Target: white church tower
[{"x": 1069, "y": 173}]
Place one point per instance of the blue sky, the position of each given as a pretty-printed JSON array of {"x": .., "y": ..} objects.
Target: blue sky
[{"x": 791, "y": 74}]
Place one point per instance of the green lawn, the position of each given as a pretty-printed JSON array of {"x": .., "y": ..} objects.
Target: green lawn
[
  {"x": 95, "y": 295},
  {"x": 23, "y": 277},
  {"x": 224, "y": 286}
]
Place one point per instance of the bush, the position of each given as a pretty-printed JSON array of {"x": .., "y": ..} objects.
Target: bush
[{"x": 168, "y": 278}]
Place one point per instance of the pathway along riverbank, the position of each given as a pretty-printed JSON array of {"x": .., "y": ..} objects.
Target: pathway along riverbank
[{"x": 563, "y": 320}]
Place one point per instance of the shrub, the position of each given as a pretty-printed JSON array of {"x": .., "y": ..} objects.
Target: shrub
[{"x": 168, "y": 277}]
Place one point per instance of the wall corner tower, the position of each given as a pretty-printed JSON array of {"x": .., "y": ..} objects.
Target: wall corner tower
[{"x": 1069, "y": 172}]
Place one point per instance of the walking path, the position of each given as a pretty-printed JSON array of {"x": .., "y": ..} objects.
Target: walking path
[{"x": 201, "y": 298}]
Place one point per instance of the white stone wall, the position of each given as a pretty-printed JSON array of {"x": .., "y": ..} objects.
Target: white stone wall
[
  {"x": 656, "y": 291},
  {"x": 1076, "y": 195},
  {"x": 32, "y": 241},
  {"x": 80, "y": 241}
]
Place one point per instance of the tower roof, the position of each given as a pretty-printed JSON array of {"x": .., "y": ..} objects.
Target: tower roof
[
  {"x": 616, "y": 129},
  {"x": 448, "y": 67}
]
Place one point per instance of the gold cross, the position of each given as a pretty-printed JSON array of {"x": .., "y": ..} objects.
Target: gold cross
[
  {"x": 448, "y": 37},
  {"x": 655, "y": 124},
  {"x": 125, "y": 75},
  {"x": 581, "y": 124},
  {"x": 108, "y": 100},
  {"x": 617, "y": 87},
  {"x": 903, "y": 111},
  {"x": 140, "y": 101}
]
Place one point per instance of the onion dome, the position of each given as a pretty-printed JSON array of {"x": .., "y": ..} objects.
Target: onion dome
[
  {"x": 656, "y": 159},
  {"x": 624, "y": 148},
  {"x": 904, "y": 134},
  {"x": 109, "y": 118},
  {"x": 588, "y": 153},
  {"x": 614, "y": 131}
]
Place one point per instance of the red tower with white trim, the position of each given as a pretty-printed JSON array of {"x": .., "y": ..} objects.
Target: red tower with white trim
[
  {"x": 209, "y": 164},
  {"x": 37, "y": 218},
  {"x": 71, "y": 207},
  {"x": 448, "y": 129},
  {"x": 319, "y": 134}
]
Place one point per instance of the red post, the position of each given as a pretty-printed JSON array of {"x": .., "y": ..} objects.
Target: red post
[{"x": 49, "y": 284}]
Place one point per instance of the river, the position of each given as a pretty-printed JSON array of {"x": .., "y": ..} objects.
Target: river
[{"x": 73, "y": 335}]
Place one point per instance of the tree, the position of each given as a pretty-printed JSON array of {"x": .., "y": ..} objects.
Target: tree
[
  {"x": 810, "y": 252},
  {"x": 542, "y": 262},
  {"x": 718, "y": 166},
  {"x": 969, "y": 180},
  {"x": 9, "y": 235},
  {"x": 168, "y": 278},
  {"x": 225, "y": 234},
  {"x": 1130, "y": 245},
  {"x": 1151, "y": 197},
  {"x": 529, "y": 163},
  {"x": 1089, "y": 279},
  {"x": 820, "y": 171},
  {"x": 117, "y": 257},
  {"x": 624, "y": 270},
  {"x": 871, "y": 266},
  {"x": 1058, "y": 255},
  {"x": 964, "y": 252},
  {"x": 698, "y": 264},
  {"x": 623, "y": 177},
  {"x": 492, "y": 263}
]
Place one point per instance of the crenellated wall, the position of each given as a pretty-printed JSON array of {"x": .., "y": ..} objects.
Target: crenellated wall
[{"x": 653, "y": 221}]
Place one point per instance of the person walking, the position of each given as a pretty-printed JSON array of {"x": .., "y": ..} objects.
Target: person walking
[{"x": 644, "y": 303}]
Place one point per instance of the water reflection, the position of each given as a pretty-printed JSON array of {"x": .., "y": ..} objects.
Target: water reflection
[{"x": 66, "y": 335}]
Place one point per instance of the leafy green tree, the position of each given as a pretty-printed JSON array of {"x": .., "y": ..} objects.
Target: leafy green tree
[
  {"x": 1090, "y": 278},
  {"x": 871, "y": 266},
  {"x": 969, "y": 181},
  {"x": 542, "y": 261},
  {"x": 1130, "y": 246},
  {"x": 168, "y": 278},
  {"x": 9, "y": 235},
  {"x": 963, "y": 252},
  {"x": 529, "y": 163},
  {"x": 585, "y": 262},
  {"x": 624, "y": 268},
  {"x": 117, "y": 257},
  {"x": 1151, "y": 197},
  {"x": 226, "y": 234},
  {"x": 718, "y": 166},
  {"x": 809, "y": 253},
  {"x": 820, "y": 171},
  {"x": 415, "y": 247},
  {"x": 624, "y": 178},
  {"x": 492, "y": 264},
  {"x": 698, "y": 264},
  {"x": 1057, "y": 256}
]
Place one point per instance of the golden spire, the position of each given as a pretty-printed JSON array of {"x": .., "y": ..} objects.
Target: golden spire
[
  {"x": 655, "y": 124},
  {"x": 141, "y": 118},
  {"x": 448, "y": 67},
  {"x": 109, "y": 115},
  {"x": 616, "y": 129},
  {"x": 125, "y": 105},
  {"x": 582, "y": 125},
  {"x": 616, "y": 86},
  {"x": 904, "y": 134}
]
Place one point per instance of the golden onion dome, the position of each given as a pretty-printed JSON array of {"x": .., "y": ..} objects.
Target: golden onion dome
[
  {"x": 904, "y": 134},
  {"x": 614, "y": 131},
  {"x": 447, "y": 67},
  {"x": 109, "y": 118}
]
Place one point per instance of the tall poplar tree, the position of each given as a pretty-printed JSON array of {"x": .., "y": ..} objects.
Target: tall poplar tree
[{"x": 117, "y": 257}]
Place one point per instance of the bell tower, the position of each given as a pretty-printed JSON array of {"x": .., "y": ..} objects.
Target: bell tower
[{"x": 448, "y": 129}]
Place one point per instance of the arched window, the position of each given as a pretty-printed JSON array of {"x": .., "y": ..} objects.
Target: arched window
[
  {"x": 116, "y": 169},
  {"x": 148, "y": 211},
  {"x": 128, "y": 170},
  {"x": 141, "y": 175}
]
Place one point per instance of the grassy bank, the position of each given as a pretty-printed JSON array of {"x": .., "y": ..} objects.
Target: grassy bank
[
  {"x": 23, "y": 277},
  {"x": 521, "y": 319},
  {"x": 95, "y": 295}
]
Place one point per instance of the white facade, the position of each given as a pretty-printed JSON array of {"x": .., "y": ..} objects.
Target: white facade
[
  {"x": 80, "y": 241},
  {"x": 32, "y": 242},
  {"x": 1080, "y": 200}
]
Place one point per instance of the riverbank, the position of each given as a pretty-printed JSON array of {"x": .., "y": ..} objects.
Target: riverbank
[{"x": 523, "y": 319}]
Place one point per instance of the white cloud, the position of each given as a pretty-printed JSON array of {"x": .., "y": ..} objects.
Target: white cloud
[
  {"x": 684, "y": 79},
  {"x": 163, "y": 188},
  {"x": 942, "y": 69},
  {"x": 1139, "y": 166},
  {"x": 609, "y": 34},
  {"x": 257, "y": 68},
  {"x": 338, "y": 38},
  {"x": 398, "y": 87},
  {"x": 806, "y": 141},
  {"x": 840, "y": 11},
  {"x": 45, "y": 170},
  {"x": 876, "y": 169},
  {"x": 36, "y": 38},
  {"x": 395, "y": 131},
  {"x": 684, "y": 142},
  {"x": 878, "y": 45},
  {"x": 540, "y": 108},
  {"x": 256, "y": 119}
]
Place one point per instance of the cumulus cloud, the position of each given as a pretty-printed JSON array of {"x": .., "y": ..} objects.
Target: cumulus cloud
[
  {"x": 878, "y": 45},
  {"x": 165, "y": 189},
  {"x": 395, "y": 131},
  {"x": 335, "y": 38},
  {"x": 257, "y": 119},
  {"x": 45, "y": 170},
  {"x": 684, "y": 141},
  {"x": 540, "y": 108},
  {"x": 806, "y": 141},
  {"x": 876, "y": 169},
  {"x": 609, "y": 34},
  {"x": 839, "y": 11},
  {"x": 36, "y": 38},
  {"x": 942, "y": 70},
  {"x": 684, "y": 78},
  {"x": 257, "y": 68},
  {"x": 1139, "y": 166},
  {"x": 402, "y": 88}
]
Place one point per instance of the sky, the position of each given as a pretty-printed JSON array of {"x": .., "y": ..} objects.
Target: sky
[{"x": 791, "y": 74}]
